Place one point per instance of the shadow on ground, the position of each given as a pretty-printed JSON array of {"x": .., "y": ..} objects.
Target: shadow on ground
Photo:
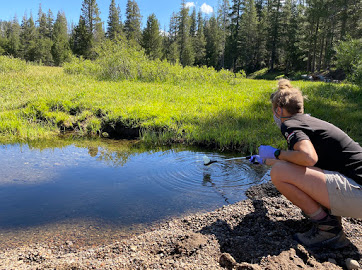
[{"x": 268, "y": 231}]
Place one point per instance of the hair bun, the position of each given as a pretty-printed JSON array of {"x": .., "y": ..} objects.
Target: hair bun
[{"x": 284, "y": 84}]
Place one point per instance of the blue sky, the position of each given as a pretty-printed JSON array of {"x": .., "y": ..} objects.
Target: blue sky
[{"x": 162, "y": 8}]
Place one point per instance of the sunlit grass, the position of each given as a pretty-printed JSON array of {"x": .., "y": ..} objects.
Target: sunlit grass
[
  {"x": 10, "y": 64},
  {"x": 227, "y": 114}
]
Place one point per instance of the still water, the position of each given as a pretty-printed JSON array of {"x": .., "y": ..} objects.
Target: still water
[{"x": 115, "y": 183}]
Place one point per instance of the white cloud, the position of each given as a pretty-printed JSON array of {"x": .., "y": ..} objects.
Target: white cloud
[
  {"x": 205, "y": 8},
  {"x": 165, "y": 33},
  {"x": 189, "y": 4}
]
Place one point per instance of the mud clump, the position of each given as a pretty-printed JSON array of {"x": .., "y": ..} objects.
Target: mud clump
[{"x": 252, "y": 234}]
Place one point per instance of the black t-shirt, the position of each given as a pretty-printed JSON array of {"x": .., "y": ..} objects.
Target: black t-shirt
[{"x": 335, "y": 149}]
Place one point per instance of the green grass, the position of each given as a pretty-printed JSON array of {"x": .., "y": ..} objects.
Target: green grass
[
  {"x": 10, "y": 64},
  {"x": 223, "y": 113}
]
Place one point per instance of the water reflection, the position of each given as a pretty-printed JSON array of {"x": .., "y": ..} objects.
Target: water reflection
[
  {"x": 208, "y": 182},
  {"x": 119, "y": 182},
  {"x": 93, "y": 151}
]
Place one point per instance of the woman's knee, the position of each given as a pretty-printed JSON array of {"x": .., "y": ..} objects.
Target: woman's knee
[
  {"x": 275, "y": 172},
  {"x": 280, "y": 171}
]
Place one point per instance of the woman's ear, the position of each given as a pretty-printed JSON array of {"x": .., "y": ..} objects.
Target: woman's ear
[{"x": 278, "y": 110}]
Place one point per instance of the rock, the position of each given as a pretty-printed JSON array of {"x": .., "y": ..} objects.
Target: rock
[
  {"x": 352, "y": 264},
  {"x": 247, "y": 266},
  {"x": 227, "y": 261},
  {"x": 133, "y": 248},
  {"x": 69, "y": 243},
  {"x": 189, "y": 244},
  {"x": 331, "y": 260}
]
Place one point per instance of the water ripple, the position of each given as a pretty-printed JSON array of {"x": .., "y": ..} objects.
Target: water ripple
[{"x": 185, "y": 172}]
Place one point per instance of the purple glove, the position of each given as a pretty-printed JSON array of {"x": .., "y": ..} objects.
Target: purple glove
[
  {"x": 255, "y": 159},
  {"x": 267, "y": 152}
]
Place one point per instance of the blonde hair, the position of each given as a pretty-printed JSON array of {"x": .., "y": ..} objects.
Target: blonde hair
[
  {"x": 288, "y": 97},
  {"x": 284, "y": 84}
]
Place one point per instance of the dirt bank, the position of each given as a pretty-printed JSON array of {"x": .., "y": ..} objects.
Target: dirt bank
[{"x": 252, "y": 234}]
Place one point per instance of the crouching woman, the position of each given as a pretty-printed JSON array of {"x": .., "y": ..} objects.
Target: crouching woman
[{"x": 321, "y": 172}]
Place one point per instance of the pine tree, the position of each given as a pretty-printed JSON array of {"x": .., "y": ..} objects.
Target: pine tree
[
  {"x": 50, "y": 23},
  {"x": 262, "y": 36},
  {"x": 3, "y": 38},
  {"x": 42, "y": 51},
  {"x": 28, "y": 39},
  {"x": 98, "y": 33},
  {"x": 312, "y": 27},
  {"x": 200, "y": 42},
  {"x": 89, "y": 32},
  {"x": 132, "y": 25},
  {"x": 340, "y": 20},
  {"x": 231, "y": 48},
  {"x": 114, "y": 28},
  {"x": 224, "y": 26},
  {"x": 193, "y": 23},
  {"x": 93, "y": 23},
  {"x": 171, "y": 46},
  {"x": 247, "y": 37},
  {"x": 60, "y": 49},
  {"x": 274, "y": 17},
  {"x": 213, "y": 44},
  {"x": 291, "y": 56},
  {"x": 354, "y": 19},
  {"x": 151, "y": 38},
  {"x": 44, "y": 43},
  {"x": 173, "y": 53},
  {"x": 42, "y": 23},
  {"x": 174, "y": 26},
  {"x": 326, "y": 23},
  {"x": 90, "y": 14},
  {"x": 81, "y": 39},
  {"x": 13, "y": 35},
  {"x": 187, "y": 56}
]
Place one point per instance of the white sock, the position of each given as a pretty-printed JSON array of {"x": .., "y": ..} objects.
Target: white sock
[{"x": 319, "y": 214}]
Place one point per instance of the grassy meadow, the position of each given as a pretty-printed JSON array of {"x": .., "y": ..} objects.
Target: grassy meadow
[{"x": 198, "y": 106}]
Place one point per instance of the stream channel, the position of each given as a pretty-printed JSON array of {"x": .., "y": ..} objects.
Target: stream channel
[{"x": 102, "y": 190}]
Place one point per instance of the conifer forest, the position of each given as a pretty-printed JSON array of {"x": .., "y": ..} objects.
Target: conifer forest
[{"x": 241, "y": 35}]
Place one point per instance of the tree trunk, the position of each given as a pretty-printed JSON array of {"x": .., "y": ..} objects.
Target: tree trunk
[
  {"x": 310, "y": 41},
  {"x": 275, "y": 38},
  {"x": 326, "y": 53},
  {"x": 344, "y": 20},
  {"x": 321, "y": 53},
  {"x": 315, "y": 46}
]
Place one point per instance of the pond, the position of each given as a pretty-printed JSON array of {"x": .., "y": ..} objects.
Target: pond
[{"x": 114, "y": 183}]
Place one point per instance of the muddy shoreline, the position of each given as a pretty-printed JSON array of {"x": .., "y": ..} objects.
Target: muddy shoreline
[{"x": 251, "y": 234}]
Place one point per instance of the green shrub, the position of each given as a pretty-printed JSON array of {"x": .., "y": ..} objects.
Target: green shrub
[
  {"x": 357, "y": 74},
  {"x": 349, "y": 58},
  {"x": 80, "y": 66},
  {"x": 10, "y": 64},
  {"x": 121, "y": 61},
  {"x": 258, "y": 73}
]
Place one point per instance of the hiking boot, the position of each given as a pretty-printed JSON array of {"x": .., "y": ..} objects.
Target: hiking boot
[{"x": 327, "y": 232}]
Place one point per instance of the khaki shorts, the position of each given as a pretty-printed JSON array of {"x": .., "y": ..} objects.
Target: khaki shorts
[{"x": 345, "y": 195}]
